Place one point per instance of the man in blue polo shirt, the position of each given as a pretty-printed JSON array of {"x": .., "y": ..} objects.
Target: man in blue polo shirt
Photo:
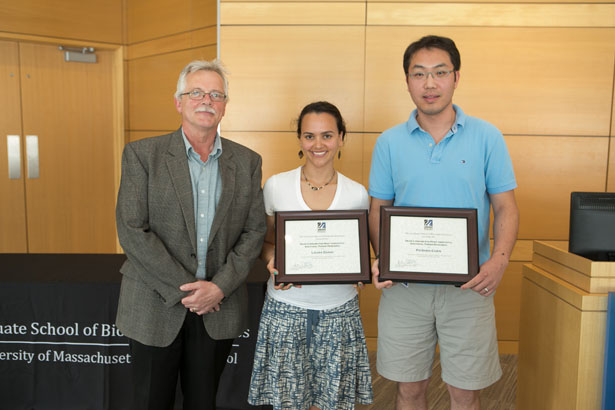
[{"x": 442, "y": 157}]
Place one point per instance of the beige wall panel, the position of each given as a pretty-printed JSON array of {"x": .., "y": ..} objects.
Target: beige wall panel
[
  {"x": 525, "y": 81},
  {"x": 150, "y": 19},
  {"x": 152, "y": 83},
  {"x": 507, "y": 302},
  {"x": 483, "y": 14},
  {"x": 292, "y": 13},
  {"x": 71, "y": 206},
  {"x": 204, "y": 37},
  {"x": 132, "y": 136},
  {"x": 118, "y": 81},
  {"x": 611, "y": 177},
  {"x": 126, "y": 94},
  {"x": 275, "y": 71},
  {"x": 547, "y": 170},
  {"x": 13, "y": 205},
  {"x": 369, "y": 299},
  {"x": 484, "y": 1},
  {"x": 294, "y": 1},
  {"x": 351, "y": 162},
  {"x": 182, "y": 41},
  {"x": 369, "y": 140},
  {"x": 203, "y": 13},
  {"x": 279, "y": 151},
  {"x": 95, "y": 20},
  {"x": 522, "y": 251}
]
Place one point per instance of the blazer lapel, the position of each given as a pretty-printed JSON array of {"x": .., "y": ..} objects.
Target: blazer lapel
[
  {"x": 177, "y": 164},
  {"x": 227, "y": 168}
]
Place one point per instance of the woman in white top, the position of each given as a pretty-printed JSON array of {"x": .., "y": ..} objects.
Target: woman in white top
[{"x": 311, "y": 351}]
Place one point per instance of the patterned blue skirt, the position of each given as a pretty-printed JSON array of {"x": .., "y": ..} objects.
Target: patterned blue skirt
[{"x": 309, "y": 358}]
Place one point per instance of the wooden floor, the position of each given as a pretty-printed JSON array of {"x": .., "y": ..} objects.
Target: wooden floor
[{"x": 500, "y": 396}]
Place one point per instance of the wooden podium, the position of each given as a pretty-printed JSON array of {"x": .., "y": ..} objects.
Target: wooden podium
[{"x": 562, "y": 330}]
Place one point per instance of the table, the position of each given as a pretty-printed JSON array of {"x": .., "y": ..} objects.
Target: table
[{"x": 60, "y": 349}]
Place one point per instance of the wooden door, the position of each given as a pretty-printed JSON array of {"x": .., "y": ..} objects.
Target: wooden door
[
  {"x": 12, "y": 201},
  {"x": 68, "y": 106}
]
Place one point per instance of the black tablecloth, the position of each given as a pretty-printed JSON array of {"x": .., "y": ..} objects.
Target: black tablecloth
[{"x": 60, "y": 349}]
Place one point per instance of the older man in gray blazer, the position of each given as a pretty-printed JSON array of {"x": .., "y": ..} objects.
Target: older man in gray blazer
[{"x": 190, "y": 218}]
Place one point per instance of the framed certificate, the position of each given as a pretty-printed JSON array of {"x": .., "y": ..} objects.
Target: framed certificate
[
  {"x": 431, "y": 245},
  {"x": 322, "y": 247}
]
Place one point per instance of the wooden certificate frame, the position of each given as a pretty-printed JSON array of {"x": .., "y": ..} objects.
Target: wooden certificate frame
[
  {"x": 322, "y": 247},
  {"x": 429, "y": 245}
]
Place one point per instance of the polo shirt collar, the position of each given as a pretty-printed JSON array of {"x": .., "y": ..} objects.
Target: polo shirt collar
[{"x": 460, "y": 120}]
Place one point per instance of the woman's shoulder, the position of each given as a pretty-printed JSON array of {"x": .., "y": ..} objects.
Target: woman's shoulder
[
  {"x": 350, "y": 183},
  {"x": 351, "y": 189},
  {"x": 283, "y": 179},
  {"x": 286, "y": 175}
]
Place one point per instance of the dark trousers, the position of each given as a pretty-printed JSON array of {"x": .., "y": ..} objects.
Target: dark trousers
[{"x": 193, "y": 356}]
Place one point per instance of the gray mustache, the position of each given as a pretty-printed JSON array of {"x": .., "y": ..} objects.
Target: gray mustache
[{"x": 206, "y": 109}]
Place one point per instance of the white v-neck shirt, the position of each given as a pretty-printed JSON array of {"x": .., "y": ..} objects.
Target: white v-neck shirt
[{"x": 282, "y": 192}]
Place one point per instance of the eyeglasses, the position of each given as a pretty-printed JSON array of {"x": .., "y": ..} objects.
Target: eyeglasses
[
  {"x": 198, "y": 95},
  {"x": 436, "y": 75}
]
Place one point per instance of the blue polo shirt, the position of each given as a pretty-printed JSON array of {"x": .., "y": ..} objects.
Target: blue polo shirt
[{"x": 469, "y": 163}]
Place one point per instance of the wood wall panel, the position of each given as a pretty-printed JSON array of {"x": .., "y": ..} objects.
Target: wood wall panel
[
  {"x": 369, "y": 299},
  {"x": 94, "y": 20},
  {"x": 150, "y": 19},
  {"x": 132, "y": 136},
  {"x": 203, "y": 13},
  {"x": 481, "y": 1},
  {"x": 152, "y": 83},
  {"x": 68, "y": 212},
  {"x": 611, "y": 176},
  {"x": 506, "y": 300},
  {"x": 13, "y": 237},
  {"x": 369, "y": 141},
  {"x": 547, "y": 170},
  {"x": 182, "y": 41},
  {"x": 494, "y": 14},
  {"x": 275, "y": 71},
  {"x": 531, "y": 75},
  {"x": 522, "y": 251},
  {"x": 153, "y": 19},
  {"x": 272, "y": 13},
  {"x": 611, "y": 173}
]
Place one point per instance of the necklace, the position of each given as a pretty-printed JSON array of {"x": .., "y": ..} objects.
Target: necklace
[{"x": 317, "y": 188}]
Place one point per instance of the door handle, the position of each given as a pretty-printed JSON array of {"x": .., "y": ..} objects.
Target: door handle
[
  {"x": 32, "y": 156},
  {"x": 13, "y": 150}
]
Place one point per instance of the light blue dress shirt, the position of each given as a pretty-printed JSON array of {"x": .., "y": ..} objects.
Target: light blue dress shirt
[{"x": 206, "y": 190}]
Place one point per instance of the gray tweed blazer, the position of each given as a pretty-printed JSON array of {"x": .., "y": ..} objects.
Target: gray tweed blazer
[{"x": 156, "y": 228}]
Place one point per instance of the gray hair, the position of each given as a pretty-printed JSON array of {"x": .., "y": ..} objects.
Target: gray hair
[{"x": 198, "y": 65}]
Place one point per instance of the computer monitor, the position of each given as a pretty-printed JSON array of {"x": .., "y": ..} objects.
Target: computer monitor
[{"x": 592, "y": 225}]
